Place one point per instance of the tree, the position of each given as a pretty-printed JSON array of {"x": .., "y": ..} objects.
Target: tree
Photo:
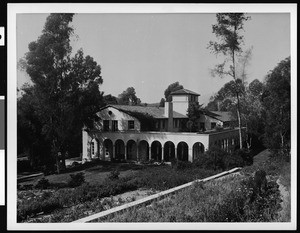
[
  {"x": 171, "y": 88},
  {"x": 251, "y": 108},
  {"x": 194, "y": 112},
  {"x": 109, "y": 99},
  {"x": 276, "y": 101},
  {"x": 65, "y": 89},
  {"x": 162, "y": 102},
  {"x": 128, "y": 97},
  {"x": 228, "y": 31}
]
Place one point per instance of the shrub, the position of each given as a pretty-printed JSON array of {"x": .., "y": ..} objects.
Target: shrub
[
  {"x": 76, "y": 179},
  {"x": 42, "y": 183},
  {"x": 114, "y": 174},
  {"x": 212, "y": 159}
]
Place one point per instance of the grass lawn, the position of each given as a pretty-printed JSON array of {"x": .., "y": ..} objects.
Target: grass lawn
[{"x": 94, "y": 174}]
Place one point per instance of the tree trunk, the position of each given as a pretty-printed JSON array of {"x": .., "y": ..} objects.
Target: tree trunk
[{"x": 239, "y": 120}]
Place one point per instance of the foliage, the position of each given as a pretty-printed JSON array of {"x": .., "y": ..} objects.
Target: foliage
[
  {"x": 114, "y": 174},
  {"x": 171, "y": 88},
  {"x": 194, "y": 112},
  {"x": 228, "y": 200},
  {"x": 42, "y": 183},
  {"x": 128, "y": 97},
  {"x": 162, "y": 102},
  {"x": 64, "y": 96},
  {"x": 228, "y": 32},
  {"x": 76, "y": 179},
  {"x": 109, "y": 99},
  {"x": 276, "y": 101}
]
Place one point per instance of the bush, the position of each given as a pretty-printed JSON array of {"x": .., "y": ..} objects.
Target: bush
[
  {"x": 42, "y": 183},
  {"x": 24, "y": 166},
  {"x": 114, "y": 174},
  {"x": 76, "y": 179},
  {"x": 212, "y": 159}
]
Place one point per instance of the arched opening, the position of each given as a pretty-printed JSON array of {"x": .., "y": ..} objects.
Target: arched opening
[
  {"x": 95, "y": 148},
  {"x": 169, "y": 151},
  {"x": 143, "y": 150},
  {"x": 119, "y": 150},
  {"x": 108, "y": 149},
  {"x": 131, "y": 150},
  {"x": 198, "y": 150},
  {"x": 183, "y": 151},
  {"x": 156, "y": 151}
]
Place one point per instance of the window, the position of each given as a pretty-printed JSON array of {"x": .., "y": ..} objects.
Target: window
[
  {"x": 115, "y": 125},
  {"x": 105, "y": 125},
  {"x": 92, "y": 148},
  {"x": 176, "y": 121},
  {"x": 130, "y": 124},
  {"x": 213, "y": 125},
  {"x": 163, "y": 124}
]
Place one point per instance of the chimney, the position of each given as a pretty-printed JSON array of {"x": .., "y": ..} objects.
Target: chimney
[{"x": 169, "y": 106}]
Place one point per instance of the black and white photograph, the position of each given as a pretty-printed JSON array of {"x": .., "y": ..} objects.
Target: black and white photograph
[{"x": 151, "y": 116}]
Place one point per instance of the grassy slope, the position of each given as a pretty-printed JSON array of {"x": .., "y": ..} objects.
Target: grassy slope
[{"x": 200, "y": 205}]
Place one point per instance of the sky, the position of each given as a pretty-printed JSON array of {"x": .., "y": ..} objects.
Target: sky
[{"x": 149, "y": 51}]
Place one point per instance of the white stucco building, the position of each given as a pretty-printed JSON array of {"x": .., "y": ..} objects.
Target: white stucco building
[{"x": 144, "y": 133}]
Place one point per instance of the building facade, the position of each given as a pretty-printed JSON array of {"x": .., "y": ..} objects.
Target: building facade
[{"x": 141, "y": 133}]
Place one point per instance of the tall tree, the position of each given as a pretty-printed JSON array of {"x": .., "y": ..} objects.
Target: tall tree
[
  {"x": 228, "y": 32},
  {"x": 66, "y": 88},
  {"x": 276, "y": 101},
  {"x": 128, "y": 97},
  {"x": 171, "y": 88}
]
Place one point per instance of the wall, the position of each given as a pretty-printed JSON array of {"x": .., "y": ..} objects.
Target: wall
[
  {"x": 120, "y": 116},
  {"x": 208, "y": 120}
]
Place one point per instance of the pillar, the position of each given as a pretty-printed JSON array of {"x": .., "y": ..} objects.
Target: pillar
[
  {"x": 190, "y": 154},
  {"x": 125, "y": 151},
  {"x": 149, "y": 152},
  {"x": 162, "y": 154}
]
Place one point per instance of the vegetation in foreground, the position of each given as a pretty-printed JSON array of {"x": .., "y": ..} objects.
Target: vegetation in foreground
[
  {"x": 249, "y": 197},
  {"x": 62, "y": 201}
]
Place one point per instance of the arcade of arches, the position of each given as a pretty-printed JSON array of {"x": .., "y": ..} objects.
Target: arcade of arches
[{"x": 145, "y": 151}]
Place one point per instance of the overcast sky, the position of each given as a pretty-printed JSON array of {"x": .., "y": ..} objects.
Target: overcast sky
[{"x": 150, "y": 51}]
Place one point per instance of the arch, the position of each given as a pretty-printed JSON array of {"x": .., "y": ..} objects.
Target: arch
[
  {"x": 108, "y": 149},
  {"x": 119, "y": 149},
  {"x": 131, "y": 150},
  {"x": 169, "y": 151},
  {"x": 198, "y": 150},
  {"x": 143, "y": 150},
  {"x": 183, "y": 151},
  {"x": 156, "y": 151}
]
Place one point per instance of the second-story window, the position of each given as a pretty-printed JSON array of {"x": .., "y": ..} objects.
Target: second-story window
[
  {"x": 213, "y": 125},
  {"x": 105, "y": 125},
  {"x": 130, "y": 124},
  {"x": 115, "y": 125}
]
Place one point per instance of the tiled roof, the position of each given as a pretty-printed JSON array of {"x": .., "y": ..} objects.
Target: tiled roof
[
  {"x": 184, "y": 92},
  {"x": 224, "y": 116},
  {"x": 155, "y": 112}
]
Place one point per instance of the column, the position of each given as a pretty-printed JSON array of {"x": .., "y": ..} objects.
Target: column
[
  {"x": 176, "y": 152},
  {"x": 113, "y": 151},
  {"x": 137, "y": 152},
  {"x": 149, "y": 152},
  {"x": 162, "y": 154},
  {"x": 190, "y": 154},
  {"x": 125, "y": 152}
]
